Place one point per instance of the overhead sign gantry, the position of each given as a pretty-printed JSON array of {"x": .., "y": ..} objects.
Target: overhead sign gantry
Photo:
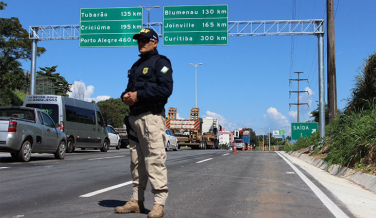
[{"x": 234, "y": 28}]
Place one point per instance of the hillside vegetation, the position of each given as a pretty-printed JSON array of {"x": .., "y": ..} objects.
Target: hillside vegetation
[{"x": 351, "y": 137}]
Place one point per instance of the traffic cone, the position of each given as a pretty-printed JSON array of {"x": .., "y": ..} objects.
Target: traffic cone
[
  {"x": 234, "y": 150},
  {"x": 274, "y": 148},
  {"x": 243, "y": 148},
  {"x": 249, "y": 147},
  {"x": 265, "y": 148}
]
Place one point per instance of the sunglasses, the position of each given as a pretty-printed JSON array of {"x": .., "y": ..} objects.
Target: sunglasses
[{"x": 145, "y": 40}]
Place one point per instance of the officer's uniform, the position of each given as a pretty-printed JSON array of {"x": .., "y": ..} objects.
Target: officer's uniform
[{"x": 151, "y": 77}]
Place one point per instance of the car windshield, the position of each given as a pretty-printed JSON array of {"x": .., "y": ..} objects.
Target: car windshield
[{"x": 238, "y": 141}]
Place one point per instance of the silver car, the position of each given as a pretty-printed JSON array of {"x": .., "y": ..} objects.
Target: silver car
[
  {"x": 25, "y": 130},
  {"x": 171, "y": 141}
]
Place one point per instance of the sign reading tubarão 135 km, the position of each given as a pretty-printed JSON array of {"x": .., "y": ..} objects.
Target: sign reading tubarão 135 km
[
  {"x": 109, "y": 27},
  {"x": 195, "y": 25}
]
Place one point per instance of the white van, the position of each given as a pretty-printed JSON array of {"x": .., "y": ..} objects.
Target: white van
[{"x": 81, "y": 121}]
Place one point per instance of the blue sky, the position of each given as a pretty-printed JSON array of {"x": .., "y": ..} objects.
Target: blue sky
[{"x": 243, "y": 84}]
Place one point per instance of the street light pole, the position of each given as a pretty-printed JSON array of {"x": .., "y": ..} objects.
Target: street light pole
[
  {"x": 269, "y": 138},
  {"x": 196, "y": 80},
  {"x": 262, "y": 136}
]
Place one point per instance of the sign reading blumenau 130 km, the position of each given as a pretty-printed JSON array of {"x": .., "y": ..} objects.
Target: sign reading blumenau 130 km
[
  {"x": 300, "y": 130},
  {"x": 109, "y": 27},
  {"x": 195, "y": 25}
]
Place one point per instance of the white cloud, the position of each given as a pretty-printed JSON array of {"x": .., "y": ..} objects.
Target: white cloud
[
  {"x": 277, "y": 121},
  {"x": 229, "y": 126},
  {"x": 80, "y": 91}
]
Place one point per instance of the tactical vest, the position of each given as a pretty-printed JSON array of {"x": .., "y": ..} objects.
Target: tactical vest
[{"x": 141, "y": 76}]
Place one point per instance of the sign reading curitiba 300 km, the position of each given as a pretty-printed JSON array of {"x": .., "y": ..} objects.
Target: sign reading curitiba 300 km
[
  {"x": 109, "y": 27},
  {"x": 195, "y": 25}
]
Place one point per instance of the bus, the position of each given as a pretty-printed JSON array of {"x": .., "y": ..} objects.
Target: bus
[{"x": 81, "y": 121}]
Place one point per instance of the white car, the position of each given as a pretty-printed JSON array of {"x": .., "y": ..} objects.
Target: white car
[
  {"x": 114, "y": 137},
  {"x": 171, "y": 141}
]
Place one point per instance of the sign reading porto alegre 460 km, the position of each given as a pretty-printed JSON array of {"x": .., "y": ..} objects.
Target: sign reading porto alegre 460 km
[
  {"x": 109, "y": 27},
  {"x": 195, "y": 25}
]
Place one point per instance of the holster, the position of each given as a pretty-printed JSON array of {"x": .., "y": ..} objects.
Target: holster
[{"x": 129, "y": 128}]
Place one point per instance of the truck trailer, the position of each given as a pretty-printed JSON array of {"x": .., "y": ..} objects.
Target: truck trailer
[{"x": 197, "y": 133}]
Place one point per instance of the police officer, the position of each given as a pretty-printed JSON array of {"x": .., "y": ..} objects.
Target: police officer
[{"x": 149, "y": 86}]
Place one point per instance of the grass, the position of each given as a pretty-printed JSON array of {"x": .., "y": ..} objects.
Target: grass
[{"x": 350, "y": 141}]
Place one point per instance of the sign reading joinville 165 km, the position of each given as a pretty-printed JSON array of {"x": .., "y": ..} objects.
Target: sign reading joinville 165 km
[
  {"x": 109, "y": 27},
  {"x": 195, "y": 25}
]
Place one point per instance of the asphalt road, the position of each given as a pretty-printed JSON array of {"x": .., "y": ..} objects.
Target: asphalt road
[{"x": 202, "y": 183}]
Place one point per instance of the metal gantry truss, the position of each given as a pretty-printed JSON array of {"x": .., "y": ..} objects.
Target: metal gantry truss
[{"x": 235, "y": 28}]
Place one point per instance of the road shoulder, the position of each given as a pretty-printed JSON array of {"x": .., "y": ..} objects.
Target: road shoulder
[{"x": 359, "y": 201}]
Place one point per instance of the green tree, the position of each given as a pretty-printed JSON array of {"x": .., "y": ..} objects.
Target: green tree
[
  {"x": 363, "y": 96},
  {"x": 53, "y": 80},
  {"x": 15, "y": 45},
  {"x": 114, "y": 111}
]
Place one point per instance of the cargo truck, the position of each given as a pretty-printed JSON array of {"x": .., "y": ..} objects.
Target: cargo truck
[{"x": 196, "y": 132}]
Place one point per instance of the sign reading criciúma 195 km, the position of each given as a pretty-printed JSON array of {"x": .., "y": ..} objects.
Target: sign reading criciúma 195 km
[
  {"x": 109, "y": 27},
  {"x": 195, "y": 25}
]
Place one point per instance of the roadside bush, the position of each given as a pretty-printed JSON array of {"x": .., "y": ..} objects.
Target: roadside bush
[{"x": 352, "y": 138}]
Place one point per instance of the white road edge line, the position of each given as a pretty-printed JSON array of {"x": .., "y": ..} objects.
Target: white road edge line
[
  {"x": 336, "y": 211},
  {"x": 100, "y": 158},
  {"x": 91, "y": 194},
  {"x": 4, "y": 167},
  {"x": 204, "y": 160},
  {"x": 226, "y": 154}
]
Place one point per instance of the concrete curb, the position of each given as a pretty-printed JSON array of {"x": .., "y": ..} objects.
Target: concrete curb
[{"x": 365, "y": 180}]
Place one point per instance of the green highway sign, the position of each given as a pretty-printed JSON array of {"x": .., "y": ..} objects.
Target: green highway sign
[
  {"x": 195, "y": 25},
  {"x": 209, "y": 24},
  {"x": 131, "y": 26},
  {"x": 107, "y": 40},
  {"x": 279, "y": 132},
  {"x": 299, "y": 130},
  {"x": 105, "y": 14},
  {"x": 109, "y": 27}
]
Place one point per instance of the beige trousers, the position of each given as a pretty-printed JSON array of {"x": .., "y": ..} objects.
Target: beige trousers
[{"x": 148, "y": 156}]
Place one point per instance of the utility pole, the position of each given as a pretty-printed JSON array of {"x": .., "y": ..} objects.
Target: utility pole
[
  {"x": 332, "y": 81},
  {"x": 298, "y": 104}
]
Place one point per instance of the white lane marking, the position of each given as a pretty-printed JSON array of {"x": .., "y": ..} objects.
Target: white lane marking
[
  {"x": 226, "y": 154},
  {"x": 91, "y": 194},
  {"x": 101, "y": 158},
  {"x": 336, "y": 211},
  {"x": 3, "y": 167},
  {"x": 204, "y": 160}
]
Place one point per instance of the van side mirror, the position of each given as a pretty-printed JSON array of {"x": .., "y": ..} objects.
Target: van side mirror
[{"x": 57, "y": 125}]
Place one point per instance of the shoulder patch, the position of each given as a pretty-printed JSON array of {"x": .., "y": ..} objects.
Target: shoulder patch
[
  {"x": 145, "y": 70},
  {"x": 165, "y": 69}
]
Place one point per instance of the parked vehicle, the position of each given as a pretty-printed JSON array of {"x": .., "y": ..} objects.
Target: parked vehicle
[
  {"x": 239, "y": 143},
  {"x": 123, "y": 136},
  {"x": 171, "y": 141},
  {"x": 25, "y": 130},
  {"x": 81, "y": 121},
  {"x": 114, "y": 137}
]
